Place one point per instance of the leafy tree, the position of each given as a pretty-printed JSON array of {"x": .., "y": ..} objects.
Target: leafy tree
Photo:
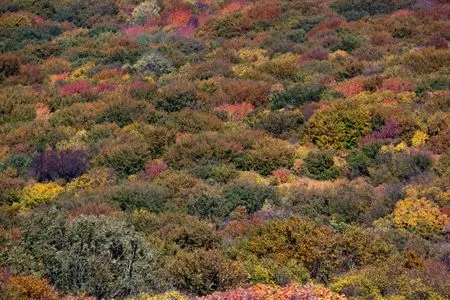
[{"x": 101, "y": 256}]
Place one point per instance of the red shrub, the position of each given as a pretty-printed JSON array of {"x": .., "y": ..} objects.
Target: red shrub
[
  {"x": 325, "y": 25},
  {"x": 31, "y": 74},
  {"x": 136, "y": 30},
  {"x": 397, "y": 85},
  {"x": 104, "y": 87},
  {"x": 82, "y": 88},
  {"x": 189, "y": 28},
  {"x": 254, "y": 92}
]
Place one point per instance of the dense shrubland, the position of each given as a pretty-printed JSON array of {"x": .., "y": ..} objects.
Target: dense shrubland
[{"x": 174, "y": 149}]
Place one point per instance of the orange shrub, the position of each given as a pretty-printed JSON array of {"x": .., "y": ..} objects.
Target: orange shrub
[
  {"x": 253, "y": 91},
  {"x": 179, "y": 18},
  {"x": 236, "y": 111},
  {"x": 42, "y": 111},
  {"x": 351, "y": 88},
  {"x": 29, "y": 287},
  {"x": 264, "y": 12},
  {"x": 270, "y": 292},
  {"x": 230, "y": 8}
]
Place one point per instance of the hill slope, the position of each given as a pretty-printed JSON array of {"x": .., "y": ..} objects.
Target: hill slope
[{"x": 273, "y": 149}]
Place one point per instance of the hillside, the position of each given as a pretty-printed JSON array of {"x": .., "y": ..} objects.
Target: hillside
[{"x": 217, "y": 149}]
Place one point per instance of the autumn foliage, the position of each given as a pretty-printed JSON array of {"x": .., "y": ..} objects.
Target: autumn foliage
[{"x": 224, "y": 149}]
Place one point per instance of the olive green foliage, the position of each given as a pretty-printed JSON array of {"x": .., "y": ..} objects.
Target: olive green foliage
[
  {"x": 201, "y": 272},
  {"x": 297, "y": 95},
  {"x": 356, "y": 9},
  {"x": 339, "y": 126}
]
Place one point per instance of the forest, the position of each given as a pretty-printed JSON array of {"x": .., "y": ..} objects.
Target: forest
[{"x": 224, "y": 150}]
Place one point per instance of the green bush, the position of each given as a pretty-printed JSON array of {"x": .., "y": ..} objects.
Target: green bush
[
  {"x": 177, "y": 229},
  {"x": 357, "y": 9},
  {"x": 267, "y": 155},
  {"x": 209, "y": 206},
  {"x": 135, "y": 196},
  {"x": 126, "y": 156},
  {"x": 297, "y": 95},
  {"x": 398, "y": 167},
  {"x": 278, "y": 122},
  {"x": 320, "y": 165},
  {"x": 153, "y": 62},
  {"x": 250, "y": 195},
  {"x": 177, "y": 96},
  {"x": 337, "y": 201}
]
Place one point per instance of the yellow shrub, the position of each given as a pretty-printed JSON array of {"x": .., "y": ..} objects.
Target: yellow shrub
[
  {"x": 253, "y": 55},
  {"x": 401, "y": 147},
  {"x": 251, "y": 177},
  {"x": 82, "y": 71},
  {"x": 77, "y": 141},
  {"x": 284, "y": 66},
  {"x": 125, "y": 77},
  {"x": 420, "y": 215},
  {"x": 247, "y": 71},
  {"x": 91, "y": 181},
  {"x": 419, "y": 138},
  {"x": 38, "y": 193}
]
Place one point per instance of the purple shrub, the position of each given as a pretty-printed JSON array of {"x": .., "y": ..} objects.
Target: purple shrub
[
  {"x": 390, "y": 130},
  {"x": 56, "y": 164}
]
